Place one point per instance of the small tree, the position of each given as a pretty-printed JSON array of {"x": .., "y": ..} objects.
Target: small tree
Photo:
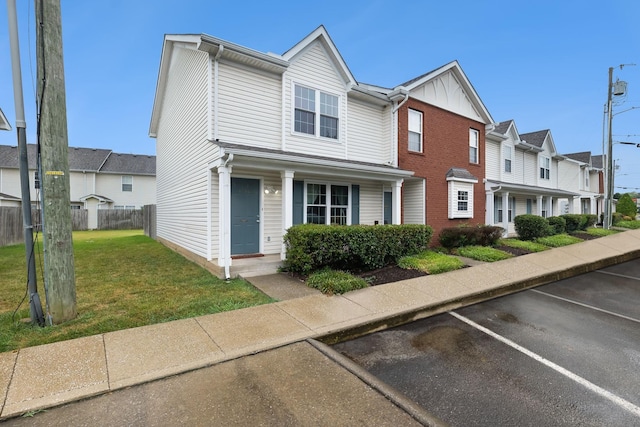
[{"x": 626, "y": 206}]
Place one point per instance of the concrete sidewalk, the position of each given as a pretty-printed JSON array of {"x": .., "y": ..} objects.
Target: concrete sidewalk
[{"x": 45, "y": 376}]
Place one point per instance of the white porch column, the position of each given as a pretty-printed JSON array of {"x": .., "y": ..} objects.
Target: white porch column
[
  {"x": 505, "y": 212},
  {"x": 224, "y": 217},
  {"x": 396, "y": 194},
  {"x": 539, "y": 207},
  {"x": 489, "y": 213},
  {"x": 287, "y": 206}
]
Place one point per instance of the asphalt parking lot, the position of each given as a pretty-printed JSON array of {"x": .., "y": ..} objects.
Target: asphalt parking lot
[{"x": 567, "y": 353}]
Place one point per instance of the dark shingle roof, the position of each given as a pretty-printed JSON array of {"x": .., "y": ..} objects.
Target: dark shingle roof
[
  {"x": 460, "y": 173},
  {"x": 503, "y": 126},
  {"x": 584, "y": 156},
  {"x": 130, "y": 163},
  {"x": 596, "y": 161},
  {"x": 6, "y": 196},
  {"x": 535, "y": 138},
  {"x": 86, "y": 159}
]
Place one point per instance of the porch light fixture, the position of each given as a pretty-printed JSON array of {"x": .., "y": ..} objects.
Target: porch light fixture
[{"x": 270, "y": 190}]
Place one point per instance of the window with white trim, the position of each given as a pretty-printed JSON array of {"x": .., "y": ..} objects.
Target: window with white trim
[
  {"x": 460, "y": 199},
  {"x": 415, "y": 131},
  {"x": 507, "y": 158},
  {"x": 473, "y": 146},
  {"x": 307, "y": 103},
  {"x": 586, "y": 179},
  {"x": 127, "y": 183},
  {"x": 545, "y": 167},
  {"x": 327, "y": 204},
  {"x": 544, "y": 207},
  {"x": 497, "y": 209},
  {"x": 512, "y": 208}
]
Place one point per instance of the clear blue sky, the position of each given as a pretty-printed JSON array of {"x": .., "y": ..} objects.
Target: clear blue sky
[{"x": 543, "y": 63}]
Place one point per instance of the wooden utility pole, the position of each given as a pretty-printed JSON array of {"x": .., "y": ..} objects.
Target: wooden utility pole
[{"x": 59, "y": 274}]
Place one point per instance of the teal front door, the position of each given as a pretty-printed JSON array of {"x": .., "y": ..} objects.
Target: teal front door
[{"x": 245, "y": 216}]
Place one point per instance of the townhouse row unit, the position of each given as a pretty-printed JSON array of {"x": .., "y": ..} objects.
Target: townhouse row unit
[
  {"x": 98, "y": 179},
  {"x": 250, "y": 143}
]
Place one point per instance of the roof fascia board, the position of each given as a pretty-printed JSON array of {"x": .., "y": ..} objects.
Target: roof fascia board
[
  {"x": 212, "y": 45},
  {"x": 292, "y": 158}
]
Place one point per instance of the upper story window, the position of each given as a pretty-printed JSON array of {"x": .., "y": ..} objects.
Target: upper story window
[
  {"x": 545, "y": 167},
  {"x": 507, "y": 158},
  {"x": 586, "y": 179},
  {"x": 308, "y": 102},
  {"x": 473, "y": 146},
  {"x": 415, "y": 131},
  {"x": 127, "y": 183}
]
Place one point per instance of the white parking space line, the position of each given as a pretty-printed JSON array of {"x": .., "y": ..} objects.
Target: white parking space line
[
  {"x": 635, "y": 410},
  {"x": 622, "y": 316},
  {"x": 617, "y": 274}
]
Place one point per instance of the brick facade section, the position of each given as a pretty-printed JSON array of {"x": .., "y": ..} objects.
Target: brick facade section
[{"x": 445, "y": 143}]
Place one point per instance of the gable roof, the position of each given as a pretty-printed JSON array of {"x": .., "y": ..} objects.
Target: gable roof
[
  {"x": 85, "y": 160},
  {"x": 320, "y": 34},
  {"x": 454, "y": 174},
  {"x": 597, "y": 161},
  {"x": 583, "y": 156},
  {"x": 535, "y": 138},
  {"x": 128, "y": 163},
  {"x": 503, "y": 127},
  {"x": 455, "y": 68},
  {"x": 5, "y": 196}
]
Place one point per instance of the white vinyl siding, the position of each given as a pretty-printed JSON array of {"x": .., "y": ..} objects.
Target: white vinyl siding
[
  {"x": 370, "y": 203},
  {"x": 460, "y": 195},
  {"x": 312, "y": 68},
  {"x": 413, "y": 195},
  {"x": 272, "y": 216},
  {"x": 492, "y": 160},
  {"x": 184, "y": 153},
  {"x": 368, "y": 132},
  {"x": 250, "y": 110}
]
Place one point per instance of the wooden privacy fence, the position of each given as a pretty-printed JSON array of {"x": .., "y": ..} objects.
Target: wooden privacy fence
[
  {"x": 120, "y": 219},
  {"x": 12, "y": 231}
]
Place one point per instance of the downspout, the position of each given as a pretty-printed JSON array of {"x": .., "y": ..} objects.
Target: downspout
[
  {"x": 227, "y": 237},
  {"x": 394, "y": 149}
]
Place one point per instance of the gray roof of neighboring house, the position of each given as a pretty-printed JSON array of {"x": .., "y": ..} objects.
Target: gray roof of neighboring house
[
  {"x": 460, "y": 173},
  {"x": 502, "y": 127},
  {"x": 130, "y": 163},
  {"x": 535, "y": 138},
  {"x": 596, "y": 161},
  {"x": 86, "y": 160},
  {"x": 583, "y": 156},
  {"x": 9, "y": 197}
]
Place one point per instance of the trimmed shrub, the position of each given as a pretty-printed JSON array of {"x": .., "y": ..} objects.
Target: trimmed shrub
[
  {"x": 575, "y": 222},
  {"x": 557, "y": 224},
  {"x": 616, "y": 217},
  {"x": 312, "y": 247},
  {"x": 591, "y": 220},
  {"x": 531, "y": 227},
  {"x": 483, "y": 235}
]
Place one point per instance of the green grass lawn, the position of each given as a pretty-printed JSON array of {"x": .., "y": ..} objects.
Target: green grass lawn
[
  {"x": 483, "y": 253},
  {"x": 123, "y": 280},
  {"x": 431, "y": 262}
]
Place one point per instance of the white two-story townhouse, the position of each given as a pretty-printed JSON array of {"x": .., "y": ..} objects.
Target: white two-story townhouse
[
  {"x": 98, "y": 179},
  {"x": 250, "y": 143},
  {"x": 582, "y": 173},
  {"x": 522, "y": 175}
]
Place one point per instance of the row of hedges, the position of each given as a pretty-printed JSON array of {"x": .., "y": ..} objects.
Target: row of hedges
[
  {"x": 530, "y": 227},
  {"x": 312, "y": 247},
  {"x": 482, "y": 235}
]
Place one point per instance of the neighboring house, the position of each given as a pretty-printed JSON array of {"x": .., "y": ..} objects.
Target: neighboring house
[
  {"x": 522, "y": 175},
  {"x": 249, "y": 144},
  {"x": 441, "y": 136},
  {"x": 582, "y": 173},
  {"x": 99, "y": 179}
]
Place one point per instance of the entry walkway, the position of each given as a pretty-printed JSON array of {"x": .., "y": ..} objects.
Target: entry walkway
[{"x": 44, "y": 376}]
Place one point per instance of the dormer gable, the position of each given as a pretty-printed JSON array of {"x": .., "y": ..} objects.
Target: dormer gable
[
  {"x": 449, "y": 88},
  {"x": 321, "y": 37},
  {"x": 542, "y": 140}
]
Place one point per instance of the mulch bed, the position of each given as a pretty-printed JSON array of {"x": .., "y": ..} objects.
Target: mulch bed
[
  {"x": 513, "y": 251},
  {"x": 390, "y": 273}
]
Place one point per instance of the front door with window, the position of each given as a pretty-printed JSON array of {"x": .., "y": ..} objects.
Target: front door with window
[
  {"x": 388, "y": 213},
  {"x": 245, "y": 216}
]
